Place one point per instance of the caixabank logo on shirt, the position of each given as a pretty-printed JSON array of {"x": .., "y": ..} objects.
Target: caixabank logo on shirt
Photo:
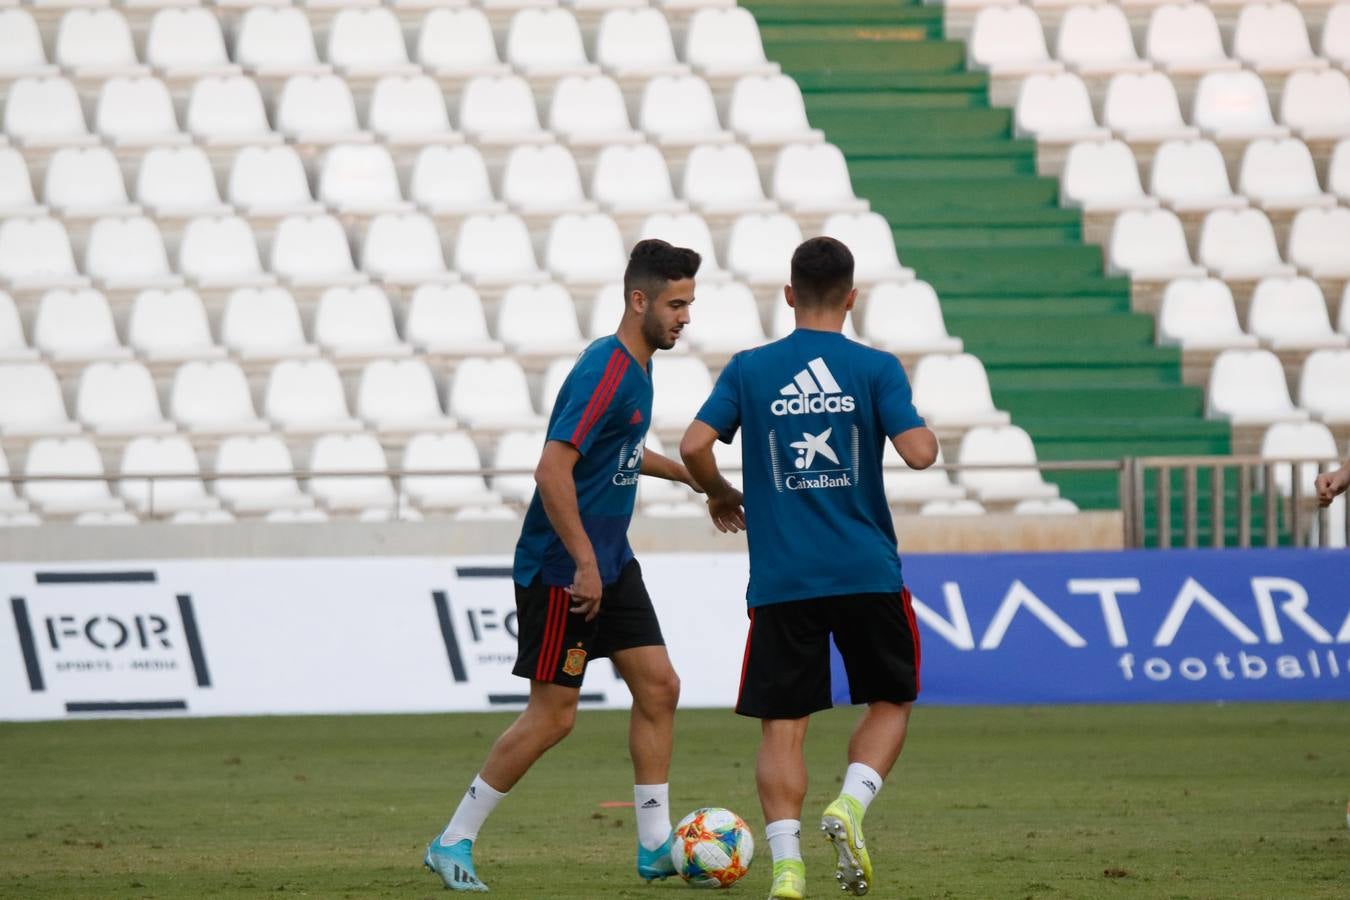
[
  {"x": 817, "y": 460},
  {"x": 630, "y": 464}
]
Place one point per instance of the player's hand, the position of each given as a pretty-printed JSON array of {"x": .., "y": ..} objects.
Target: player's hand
[
  {"x": 726, "y": 511},
  {"x": 1329, "y": 484},
  {"x": 586, "y": 590}
]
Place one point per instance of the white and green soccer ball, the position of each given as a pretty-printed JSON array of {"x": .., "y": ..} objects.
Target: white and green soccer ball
[{"x": 712, "y": 848}]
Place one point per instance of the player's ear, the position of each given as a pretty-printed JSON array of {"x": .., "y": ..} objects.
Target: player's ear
[
  {"x": 638, "y": 300},
  {"x": 788, "y": 295},
  {"x": 851, "y": 299}
]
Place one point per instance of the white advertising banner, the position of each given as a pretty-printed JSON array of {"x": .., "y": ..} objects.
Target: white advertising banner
[{"x": 254, "y": 637}]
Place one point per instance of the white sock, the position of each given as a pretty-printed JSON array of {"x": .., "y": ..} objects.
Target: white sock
[
  {"x": 862, "y": 783},
  {"x": 652, "y": 805},
  {"x": 479, "y": 801},
  {"x": 785, "y": 839}
]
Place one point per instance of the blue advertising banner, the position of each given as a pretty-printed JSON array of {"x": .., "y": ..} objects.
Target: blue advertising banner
[{"x": 1133, "y": 626}]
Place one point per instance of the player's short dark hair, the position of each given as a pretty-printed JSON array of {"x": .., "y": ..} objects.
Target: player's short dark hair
[
  {"x": 654, "y": 262},
  {"x": 822, "y": 273}
]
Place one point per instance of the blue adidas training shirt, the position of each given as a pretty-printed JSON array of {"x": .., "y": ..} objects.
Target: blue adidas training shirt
[
  {"x": 815, "y": 410},
  {"x": 603, "y": 409}
]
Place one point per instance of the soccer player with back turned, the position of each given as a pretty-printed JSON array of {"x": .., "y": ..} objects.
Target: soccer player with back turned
[
  {"x": 579, "y": 591},
  {"x": 815, "y": 410}
]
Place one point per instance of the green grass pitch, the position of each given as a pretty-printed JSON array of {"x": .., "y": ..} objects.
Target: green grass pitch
[{"x": 1079, "y": 802}]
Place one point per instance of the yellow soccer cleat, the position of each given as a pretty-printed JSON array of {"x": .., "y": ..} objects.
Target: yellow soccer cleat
[
  {"x": 789, "y": 880},
  {"x": 842, "y": 824}
]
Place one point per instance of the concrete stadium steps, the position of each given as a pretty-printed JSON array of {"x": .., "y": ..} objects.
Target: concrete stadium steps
[{"x": 1065, "y": 355}]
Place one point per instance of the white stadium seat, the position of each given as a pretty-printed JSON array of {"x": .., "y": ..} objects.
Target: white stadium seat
[
  {"x": 1247, "y": 387},
  {"x": 221, "y": 252},
  {"x": 759, "y": 248},
  {"x": 1290, "y": 314},
  {"x": 1299, "y": 440},
  {"x": 814, "y": 178},
  {"x": 409, "y": 109},
  {"x": 269, "y": 179},
  {"x": 252, "y": 455},
  {"x": 317, "y": 109},
  {"x": 276, "y": 41},
  {"x": 868, "y": 235},
  {"x": 306, "y": 395},
  {"x": 128, "y": 252},
  {"x": 517, "y": 450},
  {"x": 170, "y": 325},
  {"x": 722, "y": 179},
  {"x": 1143, "y": 106},
  {"x": 953, "y": 390},
  {"x": 21, "y": 52},
  {"x": 1279, "y": 174},
  {"x": 1319, "y": 242},
  {"x": 1338, "y": 171},
  {"x": 1321, "y": 387},
  {"x": 768, "y": 109},
  {"x": 952, "y": 508},
  {"x": 908, "y": 486},
  {"x": 45, "y": 111},
  {"x": 1102, "y": 175},
  {"x": 67, "y": 456},
  {"x": 263, "y": 323},
  {"x": 543, "y": 180},
  {"x": 76, "y": 325},
  {"x": 1234, "y": 106},
  {"x": 177, "y": 181},
  {"x": 539, "y": 319},
  {"x": 1190, "y": 176},
  {"x": 546, "y": 42},
  {"x": 636, "y": 43},
  {"x": 36, "y": 253},
  {"x": 226, "y": 110},
  {"x": 680, "y": 111},
  {"x": 1335, "y": 44},
  {"x": 448, "y": 319},
  {"x": 1002, "y": 445},
  {"x": 119, "y": 398},
  {"x": 726, "y": 42},
  {"x": 1151, "y": 245},
  {"x": 500, "y": 110},
  {"x": 1198, "y": 313},
  {"x": 400, "y": 395},
  {"x": 368, "y": 42},
  {"x": 907, "y": 318},
  {"x": 590, "y": 110},
  {"x": 350, "y": 453},
  {"x": 452, "y": 181},
  {"x": 552, "y": 382},
  {"x": 1317, "y": 104},
  {"x": 1271, "y": 38},
  {"x": 213, "y": 397},
  {"x": 31, "y": 403},
  {"x": 10, "y": 503},
  {"x": 1096, "y": 40},
  {"x": 431, "y": 452},
  {"x": 493, "y": 249},
  {"x": 492, "y": 393},
  {"x": 170, "y": 455},
  {"x": 312, "y": 250},
  {"x": 86, "y": 181},
  {"x": 685, "y": 230},
  {"x": 681, "y": 384},
  {"x": 458, "y": 42},
  {"x": 1056, "y": 108},
  {"x": 136, "y": 112},
  {"x": 724, "y": 319},
  {"x": 1240, "y": 244},
  {"x": 585, "y": 249},
  {"x": 356, "y": 322},
  {"x": 1010, "y": 41},
  {"x": 1183, "y": 39},
  {"x": 404, "y": 249},
  {"x": 187, "y": 43},
  {"x": 16, "y": 187},
  {"x": 1055, "y": 506},
  {"x": 95, "y": 42},
  {"x": 659, "y": 497},
  {"x": 359, "y": 179},
  {"x": 13, "y": 347},
  {"x": 631, "y": 179}
]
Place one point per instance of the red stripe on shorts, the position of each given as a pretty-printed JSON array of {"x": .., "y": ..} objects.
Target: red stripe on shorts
[
  {"x": 543, "y": 671},
  {"x": 907, "y": 603},
  {"x": 745, "y": 661}
]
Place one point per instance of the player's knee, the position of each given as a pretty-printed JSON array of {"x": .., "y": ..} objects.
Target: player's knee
[
  {"x": 663, "y": 692},
  {"x": 561, "y": 722}
]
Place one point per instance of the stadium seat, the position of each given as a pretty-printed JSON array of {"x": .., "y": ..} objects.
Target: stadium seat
[
  {"x": 170, "y": 325},
  {"x": 169, "y": 455},
  {"x": 543, "y": 180},
  {"x": 13, "y": 346},
  {"x": 492, "y": 393},
  {"x": 1299, "y": 440},
  {"x": 814, "y": 178},
  {"x": 297, "y": 516},
  {"x": 86, "y": 182},
  {"x": 95, "y": 43},
  {"x": 909, "y": 486},
  {"x": 452, "y": 181},
  {"x": 546, "y": 43},
  {"x": 134, "y": 112},
  {"x": 952, "y": 508},
  {"x": 633, "y": 180},
  {"x": 1150, "y": 245},
  {"x": 350, "y": 453},
  {"x": 670, "y": 499},
  {"x": 76, "y": 325},
  {"x": 458, "y": 43},
  {"x": 228, "y": 110},
  {"x": 35, "y": 253},
  {"x": 317, "y": 109},
  {"x": 119, "y": 398},
  {"x": 1190, "y": 176},
  {"x": 769, "y": 110},
  {"x": 495, "y": 249},
  {"x": 722, "y": 179},
  {"x": 1335, "y": 44},
  {"x": 552, "y": 382},
  {"x": 590, "y": 111},
  {"x": 607, "y": 308},
  {"x": 21, "y": 51},
  {"x": 187, "y": 43},
  {"x": 500, "y": 110},
  {"x": 784, "y": 322},
  {"x": 203, "y": 517},
  {"x": 448, "y": 319},
  {"x": 1248, "y": 387},
  {"x": 1054, "y": 506},
  {"x": 584, "y": 249},
  {"x": 1102, "y": 176},
  {"x": 263, "y": 323},
  {"x": 952, "y": 390},
  {"x": 1001, "y": 445},
  {"x": 368, "y": 43},
  {"x": 1239, "y": 244},
  {"x": 1234, "y": 106},
  {"x": 1319, "y": 242},
  {"x": 16, "y": 188},
  {"x": 356, "y": 321},
  {"x": 636, "y": 44},
  {"x": 868, "y": 235},
  {"x": 276, "y": 41},
  {"x": 178, "y": 181},
  {"x": 438, "y": 452},
  {"x": 1096, "y": 40},
  {"x": 1338, "y": 171},
  {"x": 1056, "y": 108},
  {"x": 1290, "y": 314},
  {"x": 1271, "y": 38},
  {"x": 409, "y": 109},
  {"x": 1143, "y": 107},
  {"x": 725, "y": 319},
  {"x": 31, "y": 403},
  {"x": 309, "y": 250},
  {"x": 679, "y": 111},
  {"x": 1183, "y": 39},
  {"x": 108, "y": 517},
  {"x": 241, "y": 455},
  {"x": 45, "y": 111},
  {"x": 213, "y": 397},
  {"x": 1198, "y": 313},
  {"x": 760, "y": 247},
  {"x": 10, "y": 502},
  {"x": 1317, "y": 104},
  {"x": 404, "y": 249},
  {"x": 681, "y": 385},
  {"x": 128, "y": 252},
  {"x": 359, "y": 179},
  {"x": 907, "y": 318},
  {"x": 67, "y": 456},
  {"x": 1321, "y": 386},
  {"x": 220, "y": 252},
  {"x": 306, "y": 395},
  {"x": 400, "y": 395},
  {"x": 1279, "y": 175},
  {"x": 1010, "y": 41},
  {"x": 537, "y": 319},
  {"x": 517, "y": 450},
  {"x": 725, "y": 42}
]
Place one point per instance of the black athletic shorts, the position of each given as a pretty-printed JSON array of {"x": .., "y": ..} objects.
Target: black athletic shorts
[
  {"x": 555, "y": 644},
  {"x": 786, "y": 673}
]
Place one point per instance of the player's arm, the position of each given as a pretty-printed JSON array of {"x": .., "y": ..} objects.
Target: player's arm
[
  {"x": 724, "y": 501},
  {"x": 558, "y": 492},
  {"x": 1330, "y": 484},
  {"x": 658, "y": 466},
  {"x": 898, "y": 418},
  {"x": 918, "y": 447}
]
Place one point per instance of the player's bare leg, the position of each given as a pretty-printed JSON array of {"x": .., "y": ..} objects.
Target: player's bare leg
[
  {"x": 655, "y": 687},
  {"x": 780, "y": 773},
  {"x": 880, "y": 736}
]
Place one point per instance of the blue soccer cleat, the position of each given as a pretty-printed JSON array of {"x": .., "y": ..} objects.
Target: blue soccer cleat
[
  {"x": 654, "y": 864},
  {"x": 454, "y": 864}
]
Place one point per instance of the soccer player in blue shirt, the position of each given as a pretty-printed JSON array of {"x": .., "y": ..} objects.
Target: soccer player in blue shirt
[
  {"x": 579, "y": 590},
  {"x": 815, "y": 410}
]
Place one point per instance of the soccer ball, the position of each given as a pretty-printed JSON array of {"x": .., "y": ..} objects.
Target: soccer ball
[{"x": 712, "y": 848}]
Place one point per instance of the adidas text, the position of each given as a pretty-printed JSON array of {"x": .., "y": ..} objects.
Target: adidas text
[{"x": 797, "y": 406}]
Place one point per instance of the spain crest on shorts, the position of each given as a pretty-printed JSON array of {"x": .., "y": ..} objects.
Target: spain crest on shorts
[{"x": 575, "y": 663}]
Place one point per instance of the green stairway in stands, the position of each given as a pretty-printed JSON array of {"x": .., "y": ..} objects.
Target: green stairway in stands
[{"x": 1065, "y": 355}]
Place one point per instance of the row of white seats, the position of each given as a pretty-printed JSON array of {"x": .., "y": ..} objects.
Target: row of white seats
[
  {"x": 265, "y": 323},
  {"x": 1285, "y": 314},
  {"x": 128, "y": 253},
  {"x": 1248, "y": 387},
  {"x": 1235, "y": 244},
  {"x": 1190, "y": 176},
  {"x": 269, "y": 39},
  {"x": 1182, "y": 38},
  {"x": 320, "y": 109},
  {"x": 631, "y": 179},
  {"x": 1143, "y": 108}
]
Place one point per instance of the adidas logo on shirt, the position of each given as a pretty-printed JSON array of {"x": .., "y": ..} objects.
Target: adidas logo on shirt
[{"x": 812, "y": 390}]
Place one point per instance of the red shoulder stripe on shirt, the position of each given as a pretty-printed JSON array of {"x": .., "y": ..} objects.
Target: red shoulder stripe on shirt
[
  {"x": 614, "y": 359},
  {"x": 609, "y": 390}
]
